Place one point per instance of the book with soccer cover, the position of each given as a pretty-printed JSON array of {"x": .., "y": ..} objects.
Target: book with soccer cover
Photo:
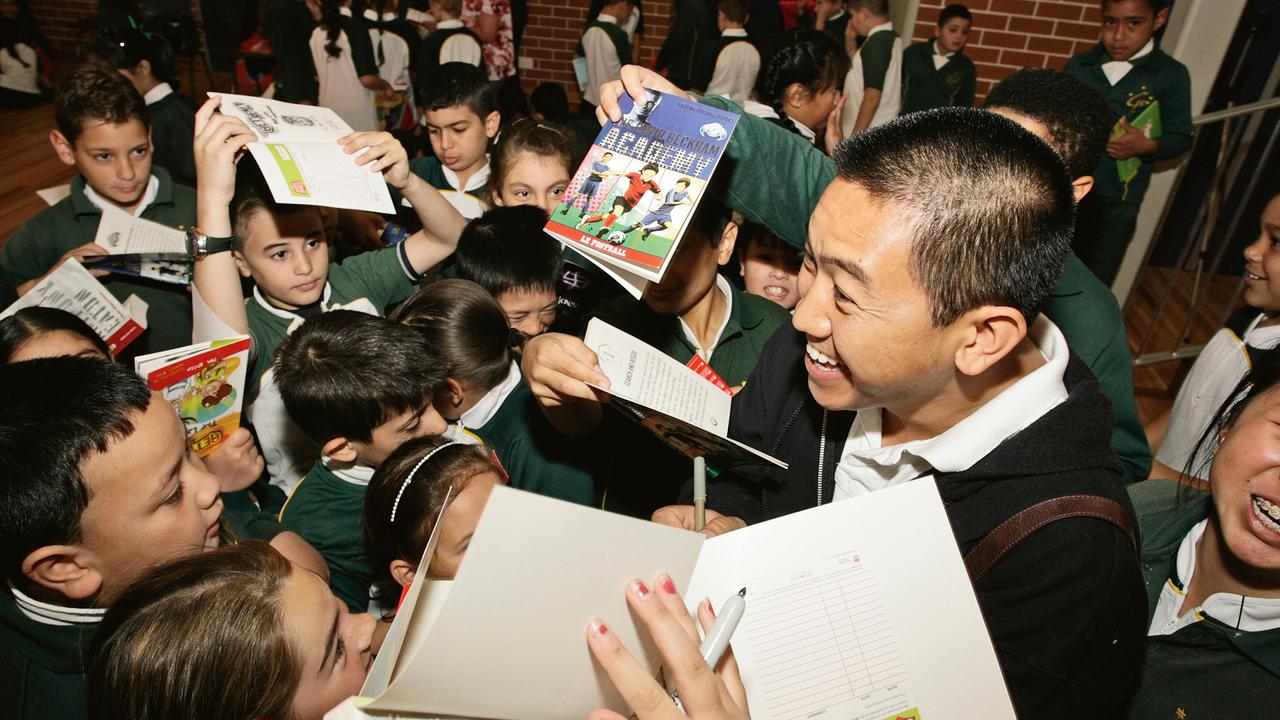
[
  {"x": 204, "y": 383},
  {"x": 630, "y": 201}
]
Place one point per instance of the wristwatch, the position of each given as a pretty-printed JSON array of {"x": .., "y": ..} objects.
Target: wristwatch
[{"x": 200, "y": 245}]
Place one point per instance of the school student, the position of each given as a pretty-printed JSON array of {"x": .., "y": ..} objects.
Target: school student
[
  {"x": 359, "y": 386},
  {"x": 288, "y": 25},
  {"x": 404, "y": 500},
  {"x": 100, "y": 485},
  {"x": 531, "y": 164},
  {"x": 937, "y": 73},
  {"x": 1134, "y": 75},
  {"x": 460, "y": 112},
  {"x": 449, "y": 42},
  {"x": 345, "y": 67},
  {"x": 768, "y": 266},
  {"x": 395, "y": 46},
  {"x": 873, "y": 87},
  {"x": 832, "y": 18},
  {"x": 1226, "y": 358},
  {"x": 147, "y": 61},
  {"x": 102, "y": 130},
  {"x": 798, "y": 86},
  {"x": 284, "y": 250},
  {"x": 606, "y": 48},
  {"x": 507, "y": 253},
  {"x": 238, "y": 632},
  {"x": 730, "y": 65}
]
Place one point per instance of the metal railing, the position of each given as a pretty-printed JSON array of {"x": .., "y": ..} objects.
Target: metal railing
[{"x": 1199, "y": 245}]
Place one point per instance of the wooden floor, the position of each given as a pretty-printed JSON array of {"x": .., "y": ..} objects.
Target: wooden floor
[{"x": 27, "y": 164}]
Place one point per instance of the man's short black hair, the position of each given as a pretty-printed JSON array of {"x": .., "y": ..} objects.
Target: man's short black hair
[
  {"x": 459, "y": 84},
  {"x": 344, "y": 373},
  {"x": 54, "y": 414},
  {"x": 506, "y": 249},
  {"x": 989, "y": 204},
  {"x": 875, "y": 7},
  {"x": 1073, "y": 111},
  {"x": 952, "y": 11},
  {"x": 93, "y": 93}
]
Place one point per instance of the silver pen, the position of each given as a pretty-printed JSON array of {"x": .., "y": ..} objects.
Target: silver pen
[{"x": 717, "y": 640}]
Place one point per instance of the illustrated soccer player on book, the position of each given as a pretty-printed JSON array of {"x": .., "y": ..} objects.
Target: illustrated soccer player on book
[
  {"x": 917, "y": 351},
  {"x": 660, "y": 219}
]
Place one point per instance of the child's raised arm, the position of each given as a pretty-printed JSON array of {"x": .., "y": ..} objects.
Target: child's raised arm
[
  {"x": 219, "y": 140},
  {"x": 441, "y": 223}
]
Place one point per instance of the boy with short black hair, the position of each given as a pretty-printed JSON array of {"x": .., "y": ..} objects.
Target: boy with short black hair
[
  {"x": 359, "y": 385},
  {"x": 103, "y": 131},
  {"x": 506, "y": 252},
  {"x": 873, "y": 87},
  {"x": 450, "y": 42},
  {"x": 832, "y": 18},
  {"x": 937, "y": 73},
  {"x": 1134, "y": 75},
  {"x": 730, "y": 63},
  {"x": 460, "y": 112},
  {"x": 605, "y": 47},
  {"x": 100, "y": 485}
]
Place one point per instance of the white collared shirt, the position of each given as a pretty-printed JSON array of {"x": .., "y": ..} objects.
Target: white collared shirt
[
  {"x": 866, "y": 466},
  {"x": 372, "y": 16},
  {"x": 449, "y": 24},
  {"x": 57, "y": 615},
  {"x": 736, "y": 68},
  {"x": 482, "y": 412},
  {"x": 723, "y": 286},
  {"x": 345, "y": 11},
  {"x": 1238, "y": 611},
  {"x": 354, "y": 473},
  {"x": 890, "y": 94},
  {"x": 158, "y": 93},
  {"x": 1117, "y": 69},
  {"x": 767, "y": 112},
  {"x": 603, "y": 64},
  {"x": 940, "y": 59},
  {"x": 148, "y": 197}
]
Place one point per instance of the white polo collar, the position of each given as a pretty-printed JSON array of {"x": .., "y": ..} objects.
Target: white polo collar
[
  {"x": 483, "y": 411},
  {"x": 148, "y": 197},
  {"x": 353, "y": 473},
  {"x": 56, "y": 615},
  {"x": 734, "y": 32},
  {"x": 158, "y": 93},
  {"x": 449, "y": 24},
  {"x": 476, "y": 182},
  {"x": 372, "y": 15},
  {"x": 606, "y": 18},
  {"x": 723, "y": 286},
  {"x": 345, "y": 11}
]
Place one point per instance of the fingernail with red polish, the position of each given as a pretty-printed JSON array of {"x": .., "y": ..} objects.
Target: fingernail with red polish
[
  {"x": 598, "y": 627},
  {"x": 666, "y": 585},
  {"x": 639, "y": 589},
  {"x": 710, "y": 609}
]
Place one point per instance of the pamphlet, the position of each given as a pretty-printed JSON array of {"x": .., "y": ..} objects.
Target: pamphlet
[
  {"x": 301, "y": 159},
  {"x": 631, "y": 200},
  {"x": 205, "y": 384},
  {"x": 122, "y": 233},
  {"x": 72, "y": 288}
]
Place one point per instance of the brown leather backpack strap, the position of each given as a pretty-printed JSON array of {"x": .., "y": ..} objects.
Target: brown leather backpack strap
[{"x": 987, "y": 552}]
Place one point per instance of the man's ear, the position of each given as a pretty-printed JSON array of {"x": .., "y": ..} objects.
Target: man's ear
[
  {"x": 340, "y": 449},
  {"x": 728, "y": 240},
  {"x": 491, "y": 123},
  {"x": 991, "y": 334},
  {"x": 1162, "y": 17},
  {"x": 241, "y": 264},
  {"x": 402, "y": 572},
  {"x": 62, "y": 147},
  {"x": 65, "y": 569},
  {"x": 1081, "y": 186}
]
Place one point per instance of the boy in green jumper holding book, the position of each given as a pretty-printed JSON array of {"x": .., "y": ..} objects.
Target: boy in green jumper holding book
[
  {"x": 1149, "y": 94},
  {"x": 284, "y": 250},
  {"x": 460, "y": 112},
  {"x": 359, "y": 386},
  {"x": 103, "y": 131},
  {"x": 936, "y": 73},
  {"x": 100, "y": 485}
]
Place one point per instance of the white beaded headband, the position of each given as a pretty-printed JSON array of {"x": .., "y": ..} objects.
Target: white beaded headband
[{"x": 409, "y": 478}]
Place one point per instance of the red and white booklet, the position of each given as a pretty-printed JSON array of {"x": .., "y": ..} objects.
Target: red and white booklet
[
  {"x": 205, "y": 384},
  {"x": 72, "y": 288}
]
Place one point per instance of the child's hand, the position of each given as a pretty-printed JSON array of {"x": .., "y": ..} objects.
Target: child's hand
[
  {"x": 558, "y": 368},
  {"x": 1134, "y": 142},
  {"x": 835, "y": 125},
  {"x": 219, "y": 139},
  {"x": 236, "y": 462},
  {"x": 705, "y": 695},
  {"x": 385, "y": 155},
  {"x": 681, "y": 516},
  {"x": 634, "y": 80},
  {"x": 80, "y": 254}
]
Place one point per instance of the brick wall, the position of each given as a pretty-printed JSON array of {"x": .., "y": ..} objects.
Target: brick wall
[
  {"x": 1012, "y": 34},
  {"x": 57, "y": 19},
  {"x": 552, "y": 34}
]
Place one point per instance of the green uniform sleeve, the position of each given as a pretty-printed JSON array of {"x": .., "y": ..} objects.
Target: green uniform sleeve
[
  {"x": 1175, "y": 115},
  {"x": 1114, "y": 370},
  {"x": 379, "y": 275},
  {"x": 877, "y": 54},
  {"x": 758, "y": 151},
  {"x": 968, "y": 86},
  {"x": 361, "y": 47},
  {"x": 24, "y": 257}
]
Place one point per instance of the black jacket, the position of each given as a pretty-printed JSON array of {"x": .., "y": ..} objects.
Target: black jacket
[{"x": 1066, "y": 608}]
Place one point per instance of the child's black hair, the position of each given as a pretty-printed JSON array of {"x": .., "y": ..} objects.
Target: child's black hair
[
  {"x": 541, "y": 138},
  {"x": 809, "y": 57},
  {"x": 251, "y": 196},
  {"x": 331, "y": 21},
  {"x": 952, "y": 11},
  {"x": 29, "y": 323},
  {"x": 123, "y": 47},
  {"x": 344, "y": 373},
  {"x": 55, "y": 413},
  {"x": 457, "y": 84},
  {"x": 549, "y": 100},
  {"x": 467, "y": 328},
  {"x": 1155, "y": 5},
  {"x": 506, "y": 250},
  {"x": 1073, "y": 111},
  {"x": 416, "y": 504},
  {"x": 513, "y": 104},
  {"x": 92, "y": 93},
  {"x": 734, "y": 10},
  {"x": 879, "y": 8}
]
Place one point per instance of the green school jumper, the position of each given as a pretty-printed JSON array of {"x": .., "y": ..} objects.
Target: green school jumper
[
  {"x": 1207, "y": 669},
  {"x": 1109, "y": 213},
  {"x": 536, "y": 457},
  {"x": 328, "y": 512},
  {"x": 42, "y": 667},
  {"x": 34, "y": 248},
  {"x": 925, "y": 86},
  {"x": 643, "y": 473},
  {"x": 1083, "y": 308}
]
